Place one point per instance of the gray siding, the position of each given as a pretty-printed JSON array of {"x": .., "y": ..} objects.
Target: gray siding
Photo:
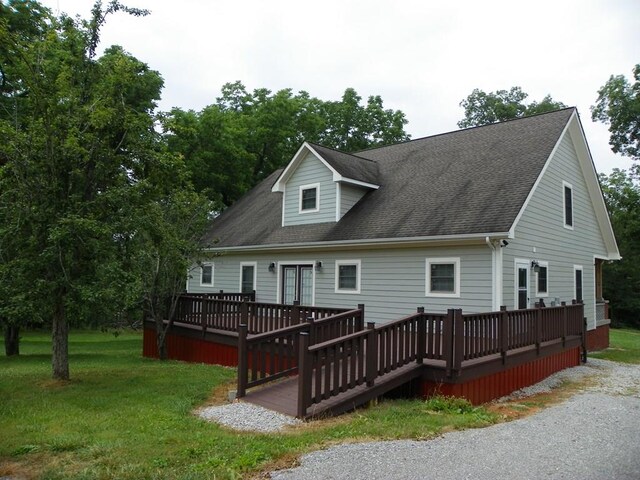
[
  {"x": 541, "y": 235},
  {"x": 392, "y": 280},
  {"x": 349, "y": 196},
  {"x": 310, "y": 171}
]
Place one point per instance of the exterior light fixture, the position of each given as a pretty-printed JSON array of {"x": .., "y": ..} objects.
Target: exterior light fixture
[
  {"x": 535, "y": 265},
  {"x": 272, "y": 267},
  {"x": 318, "y": 266}
]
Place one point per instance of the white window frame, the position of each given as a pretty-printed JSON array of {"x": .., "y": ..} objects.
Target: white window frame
[
  {"x": 538, "y": 293},
  {"x": 309, "y": 186},
  {"x": 213, "y": 271},
  {"x": 255, "y": 274},
  {"x": 564, "y": 206},
  {"x": 456, "y": 271},
  {"x": 358, "y": 265}
]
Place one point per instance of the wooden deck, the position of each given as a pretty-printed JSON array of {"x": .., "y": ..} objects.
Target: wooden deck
[{"x": 282, "y": 396}]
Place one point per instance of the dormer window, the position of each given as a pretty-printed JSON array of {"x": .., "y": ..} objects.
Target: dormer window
[{"x": 309, "y": 198}]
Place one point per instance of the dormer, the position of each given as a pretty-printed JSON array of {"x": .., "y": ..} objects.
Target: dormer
[{"x": 320, "y": 185}]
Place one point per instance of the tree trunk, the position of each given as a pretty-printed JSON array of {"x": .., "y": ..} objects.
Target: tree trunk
[
  {"x": 60, "y": 341},
  {"x": 12, "y": 340}
]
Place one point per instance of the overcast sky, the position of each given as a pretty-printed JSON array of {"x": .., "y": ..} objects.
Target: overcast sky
[{"x": 422, "y": 57}]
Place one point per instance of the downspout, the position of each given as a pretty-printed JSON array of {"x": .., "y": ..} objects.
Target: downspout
[{"x": 496, "y": 272}]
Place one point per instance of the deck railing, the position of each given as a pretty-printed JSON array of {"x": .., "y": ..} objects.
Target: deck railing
[
  {"x": 226, "y": 311},
  {"x": 337, "y": 365},
  {"x": 271, "y": 355}
]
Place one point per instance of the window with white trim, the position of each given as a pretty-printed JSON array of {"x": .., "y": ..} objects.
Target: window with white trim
[
  {"x": 542, "y": 279},
  {"x": 443, "y": 277},
  {"x": 309, "y": 198},
  {"x": 347, "y": 276},
  {"x": 567, "y": 203},
  {"x": 248, "y": 272},
  {"x": 206, "y": 274}
]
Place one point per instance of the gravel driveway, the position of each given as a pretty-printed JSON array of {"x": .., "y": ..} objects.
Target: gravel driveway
[{"x": 594, "y": 435}]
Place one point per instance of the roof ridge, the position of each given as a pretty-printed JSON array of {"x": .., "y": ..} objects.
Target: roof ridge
[
  {"x": 451, "y": 132},
  {"x": 344, "y": 153}
]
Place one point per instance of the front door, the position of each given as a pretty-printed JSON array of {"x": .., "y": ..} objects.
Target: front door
[
  {"x": 297, "y": 284},
  {"x": 522, "y": 285}
]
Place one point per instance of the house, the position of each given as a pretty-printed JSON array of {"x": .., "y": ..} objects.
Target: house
[{"x": 505, "y": 214}]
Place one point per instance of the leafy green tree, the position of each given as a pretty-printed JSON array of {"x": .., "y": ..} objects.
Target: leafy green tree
[
  {"x": 80, "y": 172},
  {"x": 481, "y": 108},
  {"x": 618, "y": 106},
  {"x": 622, "y": 278},
  {"x": 233, "y": 144}
]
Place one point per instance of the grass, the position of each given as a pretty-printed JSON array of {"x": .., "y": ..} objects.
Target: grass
[
  {"x": 624, "y": 346},
  {"x": 126, "y": 417}
]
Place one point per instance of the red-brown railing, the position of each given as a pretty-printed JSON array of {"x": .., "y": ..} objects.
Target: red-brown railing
[{"x": 271, "y": 355}]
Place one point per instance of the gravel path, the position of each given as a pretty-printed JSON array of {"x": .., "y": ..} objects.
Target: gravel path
[
  {"x": 594, "y": 435},
  {"x": 245, "y": 416}
]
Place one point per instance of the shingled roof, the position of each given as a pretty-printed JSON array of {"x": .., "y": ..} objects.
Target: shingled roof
[{"x": 470, "y": 181}]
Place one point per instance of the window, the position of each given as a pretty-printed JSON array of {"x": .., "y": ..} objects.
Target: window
[
  {"x": 568, "y": 205},
  {"x": 542, "y": 289},
  {"x": 443, "y": 277},
  {"x": 348, "y": 276},
  {"x": 309, "y": 198},
  {"x": 247, "y": 277},
  {"x": 578, "y": 282},
  {"x": 206, "y": 274}
]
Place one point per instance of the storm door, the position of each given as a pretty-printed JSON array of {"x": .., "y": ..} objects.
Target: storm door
[{"x": 297, "y": 284}]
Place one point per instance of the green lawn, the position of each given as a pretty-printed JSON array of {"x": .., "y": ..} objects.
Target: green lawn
[
  {"x": 624, "y": 346},
  {"x": 126, "y": 417}
]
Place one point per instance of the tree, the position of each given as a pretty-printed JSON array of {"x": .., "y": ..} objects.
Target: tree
[
  {"x": 78, "y": 145},
  {"x": 482, "y": 108},
  {"x": 233, "y": 144},
  {"x": 618, "y": 106},
  {"x": 622, "y": 278}
]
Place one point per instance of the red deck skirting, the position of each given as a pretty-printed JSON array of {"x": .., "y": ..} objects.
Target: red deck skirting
[
  {"x": 190, "y": 349},
  {"x": 499, "y": 384},
  {"x": 598, "y": 339}
]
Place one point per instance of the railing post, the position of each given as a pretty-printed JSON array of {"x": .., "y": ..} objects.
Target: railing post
[
  {"x": 564, "y": 323},
  {"x": 504, "y": 333},
  {"x": 312, "y": 330},
  {"x": 295, "y": 313},
  {"x": 243, "y": 361},
  {"x": 244, "y": 313},
  {"x": 584, "y": 339},
  {"x": 360, "y": 324},
  {"x": 372, "y": 357},
  {"x": 304, "y": 375},
  {"x": 538, "y": 311},
  {"x": 447, "y": 342},
  {"x": 458, "y": 337},
  {"x": 205, "y": 313},
  {"x": 421, "y": 345}
]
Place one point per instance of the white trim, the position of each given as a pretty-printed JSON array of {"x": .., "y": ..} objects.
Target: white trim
[
  {"x": 357, "y": 263},
  {"x": 279, "y": 185},
  {"x": 213, "y": 269},
  {"x": 566, "y": 185},
  {"x": 309, "y": 186},
  {"x": 284, "y": 203},
  {"x": 539, "y": 294},
  {"x": 496, "y": 273},
  {"x": 338, "y": 201},
  {"x": 310, "y": 263},
  {"x": 474, "y": 237},
  {"x": 456, "y": 272},
  {"x": 518, "y": 262},
  {"x": 356, "y": 182},
  {"x": 255, "y": 273}
]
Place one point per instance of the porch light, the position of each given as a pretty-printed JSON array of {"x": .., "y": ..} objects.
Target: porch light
[
  {"x": 318, "y": 266},
  {"x": 535, "y": 265},
  {"x": 272, "y": 267}
]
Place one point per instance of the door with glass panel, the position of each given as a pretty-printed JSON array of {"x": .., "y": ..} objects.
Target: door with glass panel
[{"x": 297, "y": 284}]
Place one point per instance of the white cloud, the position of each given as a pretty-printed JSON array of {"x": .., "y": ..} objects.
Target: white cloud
[{"x": 421, "y": 57}]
